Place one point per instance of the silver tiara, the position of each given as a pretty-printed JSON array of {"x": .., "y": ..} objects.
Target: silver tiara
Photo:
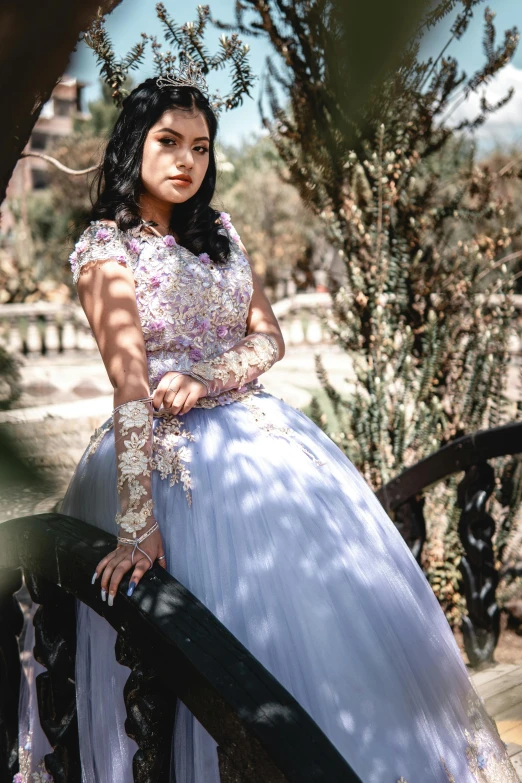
[{"x": 187, "y": 75}]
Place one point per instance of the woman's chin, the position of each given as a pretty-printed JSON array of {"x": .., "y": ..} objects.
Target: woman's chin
[{"x": 178, "y": 195}]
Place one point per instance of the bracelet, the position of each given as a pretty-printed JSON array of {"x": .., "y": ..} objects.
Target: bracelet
[
  {"x": 135, "y": 542},
  {"x": 141, "y": 399},
  {"x": 141, "y": 539}
]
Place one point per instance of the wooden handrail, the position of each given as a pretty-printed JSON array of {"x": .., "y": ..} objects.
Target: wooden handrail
[{"x": 257, "y": 724}]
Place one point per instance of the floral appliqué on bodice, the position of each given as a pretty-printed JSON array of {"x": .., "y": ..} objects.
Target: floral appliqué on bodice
[{"x": 190, "y": 310}]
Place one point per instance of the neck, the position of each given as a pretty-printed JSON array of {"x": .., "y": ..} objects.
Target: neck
[{"x": 156, "y": 210}]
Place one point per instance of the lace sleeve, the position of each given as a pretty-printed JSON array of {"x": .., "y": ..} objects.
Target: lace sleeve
[
  {"x": 232, "y": 369},
  {"x": 133, "y": 442},
  {"x": 101, "y": 242}
]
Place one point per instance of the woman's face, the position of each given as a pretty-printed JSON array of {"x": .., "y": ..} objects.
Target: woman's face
[{"x": 175, "y": 156}]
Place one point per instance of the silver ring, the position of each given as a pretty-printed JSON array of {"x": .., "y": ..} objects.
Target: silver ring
[
  {"x": 161, "y": 558},
  {"x": 171, "y": 380}
]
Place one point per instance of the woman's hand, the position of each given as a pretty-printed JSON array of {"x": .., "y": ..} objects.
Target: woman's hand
[
  {"x": 178, "y": 393},
  {"x": 117, "y": 563}
]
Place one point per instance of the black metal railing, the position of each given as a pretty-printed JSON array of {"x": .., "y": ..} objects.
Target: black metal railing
[
  {"x": 403, "y": 500},
  {"x": 175, "y": 648}
]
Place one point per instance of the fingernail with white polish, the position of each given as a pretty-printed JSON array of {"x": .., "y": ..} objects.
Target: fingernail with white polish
[
  {"x": 110, "y": 600},
  {"x": 104, "y": 595},
  {"x": 94, "y": 578}
]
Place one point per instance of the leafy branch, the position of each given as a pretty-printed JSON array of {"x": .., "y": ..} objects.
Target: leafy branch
[{"x": 187, "y": 42}]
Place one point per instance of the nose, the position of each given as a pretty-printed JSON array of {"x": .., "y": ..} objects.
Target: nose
[{"x": 185, "y": 159}]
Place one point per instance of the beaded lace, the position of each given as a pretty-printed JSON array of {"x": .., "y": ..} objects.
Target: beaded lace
[
  {"x": 191, "y": 309},
  {"x": 253, "y": 355},
  {"x": 133, "y": 442}
]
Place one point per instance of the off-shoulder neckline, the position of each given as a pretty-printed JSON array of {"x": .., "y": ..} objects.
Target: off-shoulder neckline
[{"x": 150, "y": 236}]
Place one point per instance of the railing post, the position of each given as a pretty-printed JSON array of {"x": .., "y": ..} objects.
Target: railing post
[
  {"x": 55, "y": 648},
  {"x": 481, "y": 628},
  {"x": 150, "y": 716},
  {"x": 11, "y": 625},
  {"x": 409, "y": 518}
]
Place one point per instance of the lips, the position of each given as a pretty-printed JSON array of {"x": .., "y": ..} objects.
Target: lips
[{"x": 182, "y": 178}]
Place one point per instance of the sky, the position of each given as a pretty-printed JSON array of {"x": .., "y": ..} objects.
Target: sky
[{"x": 132, "y": 17}]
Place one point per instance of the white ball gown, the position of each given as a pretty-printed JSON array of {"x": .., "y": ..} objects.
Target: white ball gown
[{"x": 269, "y": 524}]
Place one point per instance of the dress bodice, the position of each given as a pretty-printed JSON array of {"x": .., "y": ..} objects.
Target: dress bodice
[{"x": 190, "y": 308}]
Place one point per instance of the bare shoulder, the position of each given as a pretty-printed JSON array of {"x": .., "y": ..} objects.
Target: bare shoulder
[{"x": 245, "y": 252}]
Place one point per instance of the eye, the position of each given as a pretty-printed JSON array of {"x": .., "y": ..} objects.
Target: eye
[
  {"x": 201, "y": 150},
  {"x": 167, "y": 141}
]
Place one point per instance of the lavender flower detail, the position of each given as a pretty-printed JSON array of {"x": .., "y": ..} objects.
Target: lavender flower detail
[
  {"x": 156, "y": 326},
  {"x": 80, "y": 247},
  {"x": 103, "y": 234},
  {"x": 182, "y": 342},
  {"x": 154, "y": 281},
  {"x": 222, "y": 331},
  {"x": 240, "y": 296},
  {"x": 169, "y": 241},
  {"x": 134, "y": 246},
  {"x": 225, "y": 220},
  {"x": 227, "y": 223},
  {"x": 195, "y": 354},
  {"x": 18, "y": 778},
  {"x": 205, "y": 258},
  {"x": 203, "y": 325}
]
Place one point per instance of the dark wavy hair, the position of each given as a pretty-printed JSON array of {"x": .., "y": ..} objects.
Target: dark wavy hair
[{"x": 119, "y": 184}]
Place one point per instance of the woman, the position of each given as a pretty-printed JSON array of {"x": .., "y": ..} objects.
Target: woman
[{"x": 240, "y": 496}]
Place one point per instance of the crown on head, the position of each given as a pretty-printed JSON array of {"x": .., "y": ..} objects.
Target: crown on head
[{"x": 187, "y": 75}]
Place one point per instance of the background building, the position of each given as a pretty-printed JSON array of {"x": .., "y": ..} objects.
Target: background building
[{"x": 57, "y": 119}]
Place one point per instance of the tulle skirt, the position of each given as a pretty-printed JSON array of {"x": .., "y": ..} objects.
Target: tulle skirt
[{"x": 275, "y": 531}]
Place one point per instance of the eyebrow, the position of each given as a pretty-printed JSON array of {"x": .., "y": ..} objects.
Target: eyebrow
[{"x": 180, "y": 135}]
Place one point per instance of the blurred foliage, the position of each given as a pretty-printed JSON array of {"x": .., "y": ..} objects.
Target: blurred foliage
[
  {"x": 426, "y": 232},
  {"x": 10, "y": 380},
  {"x": 275, "y": 227},
  {"x": 102, "y": 113}
]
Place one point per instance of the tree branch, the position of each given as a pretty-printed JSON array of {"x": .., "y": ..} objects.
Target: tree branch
[
  {"x": 36, "y": 41},
  {"x": 60, "y": 166}
]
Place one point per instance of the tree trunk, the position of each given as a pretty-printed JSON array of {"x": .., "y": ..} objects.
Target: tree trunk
[{"x": 36, "y": 40}]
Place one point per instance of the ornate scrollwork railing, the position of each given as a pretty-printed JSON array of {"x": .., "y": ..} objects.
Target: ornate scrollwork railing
[
  {"x": 403, "y": 500},
  {"x": 175, "y": 648}
]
